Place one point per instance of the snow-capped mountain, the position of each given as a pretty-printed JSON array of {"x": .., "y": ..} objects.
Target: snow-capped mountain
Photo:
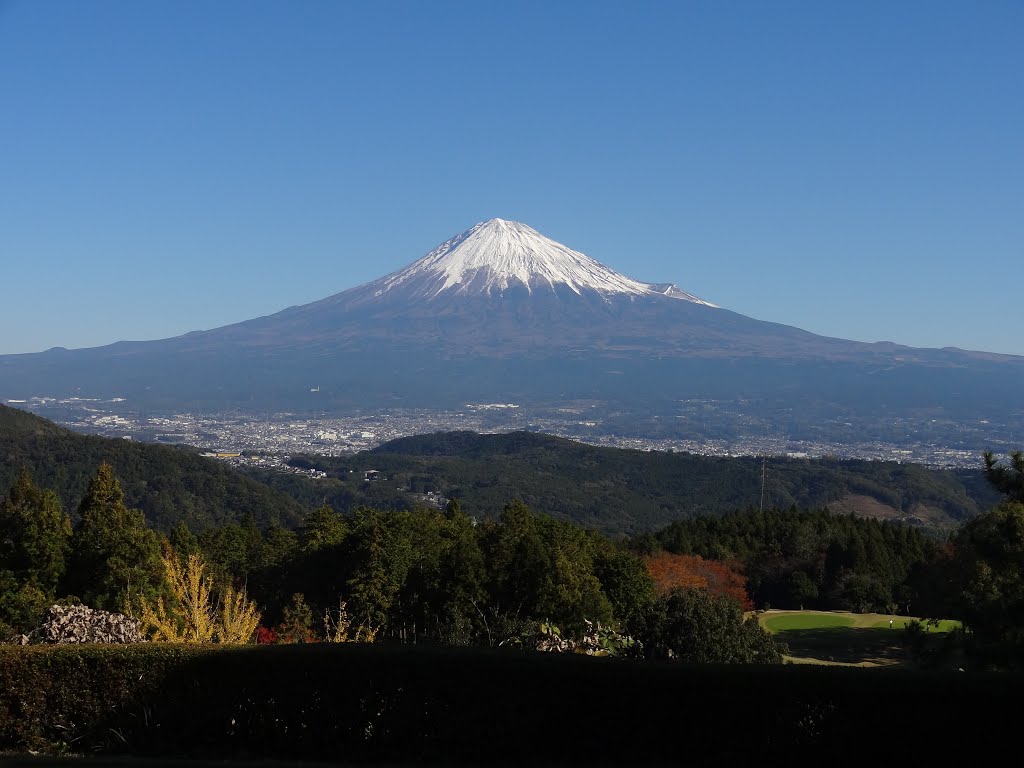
[
  {"x": 501, "y": 313},
  {"x": 497, "y": 255}
]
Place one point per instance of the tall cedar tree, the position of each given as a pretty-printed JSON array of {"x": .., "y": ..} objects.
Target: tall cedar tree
[
  {"x": 35, "y": 535},
  {"x": 114, "y": 554},
  {"x": 380, "y": 554}
]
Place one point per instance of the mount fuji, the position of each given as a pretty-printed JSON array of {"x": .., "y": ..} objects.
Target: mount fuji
[{"x": 501, "y": 313}]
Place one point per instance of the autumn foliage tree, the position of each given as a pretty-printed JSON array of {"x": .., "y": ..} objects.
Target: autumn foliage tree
[
  {"x": 188, "y": 613},
  {"x": 670, "y": 571}
]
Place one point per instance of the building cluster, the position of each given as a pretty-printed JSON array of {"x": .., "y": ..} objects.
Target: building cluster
[{"x": 269, "y": 440}]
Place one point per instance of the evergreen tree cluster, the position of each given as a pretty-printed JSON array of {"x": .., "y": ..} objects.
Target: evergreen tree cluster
[
  {"x": 110, "y": 556},
  {"x": 811, "y": 559},
  {"x": 620, "y": 491},
  {"x": 421, "y": 575}
]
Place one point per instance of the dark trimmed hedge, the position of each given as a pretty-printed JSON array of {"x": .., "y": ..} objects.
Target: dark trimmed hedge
[{"x": 381, "y": 703}]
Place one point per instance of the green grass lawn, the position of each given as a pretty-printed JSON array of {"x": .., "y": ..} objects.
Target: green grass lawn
[
  {"x": 845, "y": 637},
  {"x": 790, "y": 621}
]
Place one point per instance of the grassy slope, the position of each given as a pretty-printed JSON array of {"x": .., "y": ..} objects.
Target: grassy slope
[{"x": 168, "y": 483}]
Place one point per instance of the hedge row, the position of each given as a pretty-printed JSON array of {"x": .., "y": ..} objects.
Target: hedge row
[{"x": 381, "y": 703}]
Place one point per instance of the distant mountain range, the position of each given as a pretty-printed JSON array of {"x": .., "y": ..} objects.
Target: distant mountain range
[{"x": 501, "y": 313}]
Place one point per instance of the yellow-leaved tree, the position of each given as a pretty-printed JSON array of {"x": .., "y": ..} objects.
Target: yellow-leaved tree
[
  {"x": 188, "y": 613},
  {"x": 238, "y": 617}
]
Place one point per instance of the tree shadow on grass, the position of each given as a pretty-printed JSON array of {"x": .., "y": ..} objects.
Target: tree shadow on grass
[{"x": 847, "y": 644}]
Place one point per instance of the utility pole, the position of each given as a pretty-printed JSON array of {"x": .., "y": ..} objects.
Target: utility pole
[{"x": 764, "y": 472}]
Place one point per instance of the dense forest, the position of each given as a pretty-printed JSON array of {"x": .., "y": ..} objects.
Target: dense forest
[
  {"x": 524, "y": 579},
  {"x": 813, "y": 559},
  {"x": 620, "y": 491},
  {"x": 168, "y": 483},
  {"x": 415, "y": 576}
]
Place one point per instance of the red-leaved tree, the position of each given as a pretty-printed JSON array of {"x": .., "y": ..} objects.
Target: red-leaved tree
[{"x": 671, "y": 571}]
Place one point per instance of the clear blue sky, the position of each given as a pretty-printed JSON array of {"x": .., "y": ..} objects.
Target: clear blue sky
[{"x": 852, "y": 168}]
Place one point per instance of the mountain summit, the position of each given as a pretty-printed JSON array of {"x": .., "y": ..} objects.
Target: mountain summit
[{"x": 497, "y": 255}]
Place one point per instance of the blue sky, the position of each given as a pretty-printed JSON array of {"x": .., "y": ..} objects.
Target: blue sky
[{"x": 852, "y": 168}]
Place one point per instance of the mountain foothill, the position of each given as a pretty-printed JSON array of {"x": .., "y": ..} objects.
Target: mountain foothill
[{"x": 616, "y": 491}]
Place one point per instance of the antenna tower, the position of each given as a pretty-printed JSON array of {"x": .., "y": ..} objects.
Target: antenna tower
[{"x": 764, "y": 472}]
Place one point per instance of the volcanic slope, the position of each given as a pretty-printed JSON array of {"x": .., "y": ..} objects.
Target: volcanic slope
[{"x": 501, "y": 313}]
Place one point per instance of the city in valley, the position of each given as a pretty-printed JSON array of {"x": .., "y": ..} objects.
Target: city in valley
[{"x": 705, "y": 427}]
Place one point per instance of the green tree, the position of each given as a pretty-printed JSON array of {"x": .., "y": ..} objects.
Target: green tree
[
  {"x": 989, "y": 567},
  {"x": 692, "y": 625},
  {"x": 184, "y": 542},
  {"x": 114, "y": 554},
  {"x": 444, "y": 581},
  {"x": 321, "y": 528},
  {"x": 517, "y": 562},
  {"x": 543, "y": 568},
  {"x": 379, "y": 552},
  {"x": 627, "y": 583},
  {"x": 35, "y": 535},
  {"x": 802, "y": 588},
  {"x": 297, "y": 625},
  {"x": 22, "y": 605},
  {"x": 461, "y": 578}
]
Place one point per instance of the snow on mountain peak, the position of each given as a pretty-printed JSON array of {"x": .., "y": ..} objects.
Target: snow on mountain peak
[{"x": 495, "y": 255}]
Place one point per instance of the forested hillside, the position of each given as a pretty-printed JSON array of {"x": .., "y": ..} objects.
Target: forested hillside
[
  {"x": 626, "y": 491},
  {"x": 812, "y": 559},
  {"x": 169, "y": 484}
]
